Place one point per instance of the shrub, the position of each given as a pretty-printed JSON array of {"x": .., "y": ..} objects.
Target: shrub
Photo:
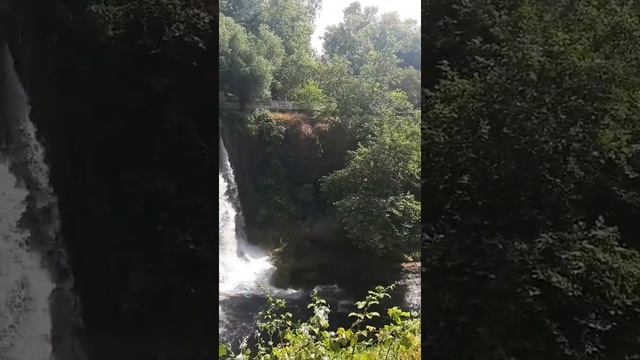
[{"x": 262, "y": 125}]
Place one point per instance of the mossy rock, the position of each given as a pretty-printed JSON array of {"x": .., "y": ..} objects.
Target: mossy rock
[{"x": 281, "y": 278}]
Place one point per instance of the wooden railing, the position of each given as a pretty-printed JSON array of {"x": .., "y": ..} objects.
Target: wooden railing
[{"x": 277, "y": 105}]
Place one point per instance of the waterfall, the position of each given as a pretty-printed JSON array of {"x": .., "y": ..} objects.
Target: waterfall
[
  {"x": 38, "y": 311},
  {"x": 25, "y": 324},
  {"x": 243, "y": 268}
]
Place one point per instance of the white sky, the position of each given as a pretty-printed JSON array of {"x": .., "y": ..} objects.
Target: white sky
[{"x": 331, "y": 13}]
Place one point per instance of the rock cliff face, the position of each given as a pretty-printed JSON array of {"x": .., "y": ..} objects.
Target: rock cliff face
[{"x": 131, "y": 145}]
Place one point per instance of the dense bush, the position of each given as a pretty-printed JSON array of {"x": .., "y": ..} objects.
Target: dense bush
[
  {"x": 564, "y": 295},
  {"x": 263, "y": 127},
  {"x": 378, "y": 198},
  {"x": 247, "y": 61},
  {"x": 530, "y": 152}
]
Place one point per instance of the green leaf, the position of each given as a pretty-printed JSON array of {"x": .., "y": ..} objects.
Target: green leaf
[{"x": 359, "y": 316}]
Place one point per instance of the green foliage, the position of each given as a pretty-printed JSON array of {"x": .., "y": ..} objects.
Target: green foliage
[
  {"x": 409, "y": 81},
  {"x": 377, "y": 193},
  {"x": 280, "y": 338},
  {"x": 311, "y": 96},
  {"x": 277, "y": 198},
  {"x": 363, "y": 32},
  {"x": 381, "y": 68},
  {"x": 244, "y": 12},
  {"x": 531, "y": 127},
  {"x": 271, "y": 46},
  {"x": 336, "y": 80},
  {"x": 362, "y": 68},
  {"x": 564, "y": 295},
  {"x": 364, "y": 101},
  {"x": 292, "y": 21},
  {"x": 247, "y": 62},
  {"x": 289, "y": 24},
  {"x": 261, "y": 125},
  {"x": 546, "y": 103},
  {"x": 295, "y": 70}
]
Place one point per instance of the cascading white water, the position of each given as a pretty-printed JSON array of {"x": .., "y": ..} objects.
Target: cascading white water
[
  {"x": 39, "y": 312},
  {"x": 25, "y": 283},
  {"x": 243, "y": 268},
  {"x": 25, "y": 286}
]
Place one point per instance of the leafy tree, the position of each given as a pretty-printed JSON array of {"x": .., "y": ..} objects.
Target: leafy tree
[
  {"x": 361, "y": 100},
  {"x": 313, "y": 6},
  {"x": 312, "y": 96},
  {"x": 409, "y": 81},
  {"x": 351, "y": 39},
  {"x": 291, "y": 21},
  {"x": 247, "y": 62},
  {"x": 358, "y": 99},
  {"x": 270, "y": 46},
  {"x": 361, "y": 68},
  {"x": 296, "y": 69},
  {"x": 531, "y": 122},
  {"x": 543, "y": 103},
  {"x": 564, "y": 295},
  {"x": 381, "y": 68},
  {"x": 244, "y": 12},
  {"x": 363, "y": 32},
  {"x": 377, "y": 193},
  {"x": 368, "y": 101},
  {"x": 402, "y": 37},
  {"x": 452, "y": 28}
]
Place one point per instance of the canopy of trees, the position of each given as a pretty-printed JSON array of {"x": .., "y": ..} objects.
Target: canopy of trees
[
  {"x": 278, "y": 31},
  {"x": 247, "y": 61}
]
